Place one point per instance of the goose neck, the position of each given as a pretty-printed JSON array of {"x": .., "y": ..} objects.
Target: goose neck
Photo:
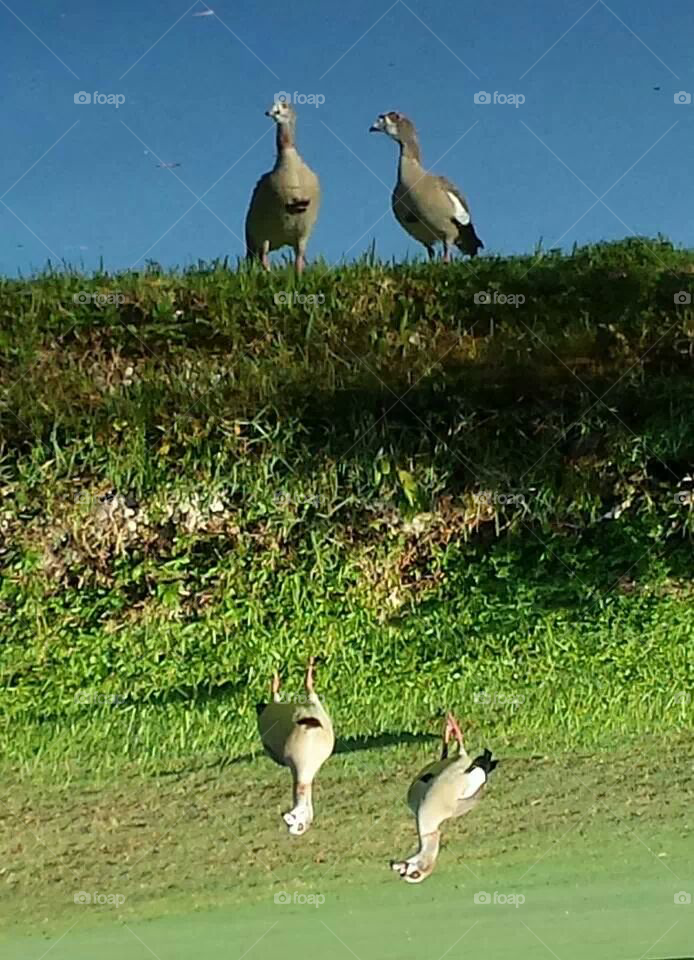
[{"x": 429, "y": 844}]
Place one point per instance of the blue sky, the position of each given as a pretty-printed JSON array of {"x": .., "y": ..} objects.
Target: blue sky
[{"x": 198, "y": 98}]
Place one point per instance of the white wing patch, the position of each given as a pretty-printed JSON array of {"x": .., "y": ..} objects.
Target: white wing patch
[
  {"x": 459, "y": 212},
  {"x": 475, "y": 779}
]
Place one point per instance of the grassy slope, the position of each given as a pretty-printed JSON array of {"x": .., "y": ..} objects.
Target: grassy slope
[
  {"x": 273, "y": 498},
  {"x": 597, "y": 844}
]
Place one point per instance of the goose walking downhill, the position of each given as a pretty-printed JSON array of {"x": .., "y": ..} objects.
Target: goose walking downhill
[
  {"x": 449, "y": 787},
  {"x": 299, "y": 736},
  {"x": 429, "y": 207}
]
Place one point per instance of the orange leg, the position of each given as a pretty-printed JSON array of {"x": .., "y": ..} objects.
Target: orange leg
[
  {"x": 264, "y": 256},
  {"x": 455, "y": 729},
  {"x": 309, "y": 675},
  {"x": 447, "y": 730}
]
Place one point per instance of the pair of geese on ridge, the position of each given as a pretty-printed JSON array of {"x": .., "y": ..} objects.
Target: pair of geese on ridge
[
  {"x": 300, "y": 736},
  {"x": 284, "y": 205}
]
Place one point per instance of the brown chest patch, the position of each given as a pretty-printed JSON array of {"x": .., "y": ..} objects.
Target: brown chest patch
[{"x": 297, "y": 206}]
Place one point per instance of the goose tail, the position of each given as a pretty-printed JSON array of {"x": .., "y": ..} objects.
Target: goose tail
[
  {"x": 485, "y": 762},
  {"x": 468, "y": 241}
]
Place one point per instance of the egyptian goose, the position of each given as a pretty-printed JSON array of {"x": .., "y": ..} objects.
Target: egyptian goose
[
  {"x": 298, "y": 734},
  {"x": 285, "y": 202},
  {"x": 449, "y": 787},
  {"x": 430, "y": 208}
]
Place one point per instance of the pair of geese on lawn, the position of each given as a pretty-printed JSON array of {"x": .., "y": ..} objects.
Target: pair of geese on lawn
[
  {"x": 300, "y": 736},
  {"x": 285, "y": 202}
]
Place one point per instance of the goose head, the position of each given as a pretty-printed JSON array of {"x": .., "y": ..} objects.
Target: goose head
[
  {"x": 282, "y": 113},
  {"x": 413, "y": 870},
  {"x": 298, "y": 819},
  {"x": 421, "y": 864},
  {"x": 395, "y": 125}
]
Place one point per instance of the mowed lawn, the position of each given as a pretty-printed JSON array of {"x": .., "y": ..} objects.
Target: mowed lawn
[{"x": 593, "y": 848}]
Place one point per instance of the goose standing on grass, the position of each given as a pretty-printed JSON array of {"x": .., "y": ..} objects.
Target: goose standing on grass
[
  {"x": 430, "y": 208},
  {"x": 449, "y": 787},
  {"x": 285, "y": 202},
  {"x": 298, "y": 734}
]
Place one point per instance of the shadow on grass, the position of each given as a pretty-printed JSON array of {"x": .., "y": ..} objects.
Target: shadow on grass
[
  {"x": 343, "y": 745},
  {"x": 354, "y": 744}
]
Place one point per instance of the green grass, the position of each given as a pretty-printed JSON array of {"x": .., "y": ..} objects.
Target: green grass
[
  {"x": 597, "y": 843},
  {"x": 200, "y": 484},
  {"x": 273, "y": 498}
]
